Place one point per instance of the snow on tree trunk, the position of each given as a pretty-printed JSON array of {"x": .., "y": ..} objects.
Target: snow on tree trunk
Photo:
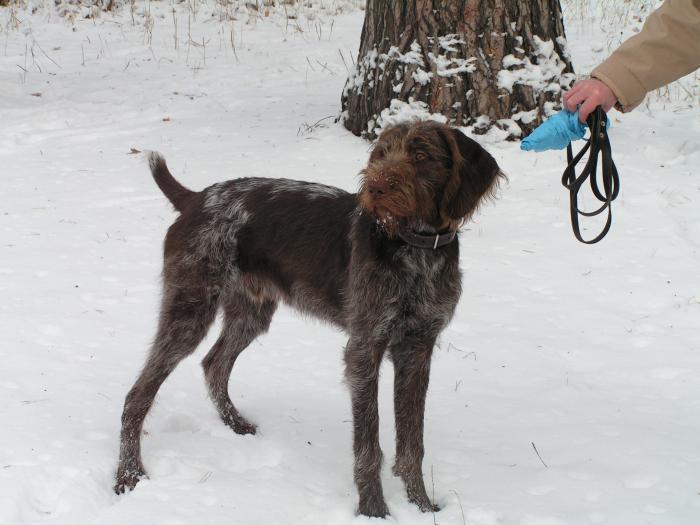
[{"x": 480, "y": 63}]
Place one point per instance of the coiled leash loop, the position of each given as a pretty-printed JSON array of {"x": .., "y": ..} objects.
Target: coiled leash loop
[{"x": 597, "y": 143}]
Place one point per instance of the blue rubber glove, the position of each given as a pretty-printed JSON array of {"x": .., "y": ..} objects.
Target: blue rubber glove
[{"x": 555, "y": 133}]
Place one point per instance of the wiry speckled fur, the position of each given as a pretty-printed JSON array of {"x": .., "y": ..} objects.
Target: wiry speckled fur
[{"x": 243, "y": 246}]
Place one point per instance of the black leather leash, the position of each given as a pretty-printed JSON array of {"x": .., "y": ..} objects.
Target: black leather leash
[{"x": 597, "y": 143}]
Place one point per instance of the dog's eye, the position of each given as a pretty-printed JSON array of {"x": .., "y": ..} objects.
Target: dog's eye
[{"x": 420, "y": 156}]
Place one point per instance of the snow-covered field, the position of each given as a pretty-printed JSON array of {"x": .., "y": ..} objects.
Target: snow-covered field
[{"x": 591, "y": 354}]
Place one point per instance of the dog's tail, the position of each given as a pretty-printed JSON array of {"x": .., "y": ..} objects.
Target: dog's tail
[{"x": 173, "y": 190}]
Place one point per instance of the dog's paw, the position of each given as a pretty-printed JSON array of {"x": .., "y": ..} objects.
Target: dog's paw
[
  {"x": 425, "y": 505},
  {"x": 418, "y": 496},
  {"x": 378, "y": 512},
  {"x": 241, "y": 425},
  {"x": 245, "y": 428},
  {"x": 373, "y": 508},
  {"x": 127, "y": 480}
]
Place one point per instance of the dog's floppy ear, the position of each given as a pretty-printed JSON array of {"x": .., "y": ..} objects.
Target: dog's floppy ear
[{"x": 475, "y": 177}]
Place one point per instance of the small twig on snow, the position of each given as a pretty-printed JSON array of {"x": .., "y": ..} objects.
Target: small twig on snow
[
  {"x": 432, "y": 502},
  {"x": 538, "y": 454},
  {"x": 459, "y": 500}
]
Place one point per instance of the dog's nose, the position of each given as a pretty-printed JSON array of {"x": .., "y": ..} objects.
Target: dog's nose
[{"x": 375, "y": 190}]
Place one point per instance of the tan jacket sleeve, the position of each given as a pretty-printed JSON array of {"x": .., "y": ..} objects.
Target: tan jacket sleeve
[{"x": 667, "y": 48}]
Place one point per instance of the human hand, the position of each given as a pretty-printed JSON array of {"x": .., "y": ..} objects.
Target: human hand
[{"x": 590, "y": 94}]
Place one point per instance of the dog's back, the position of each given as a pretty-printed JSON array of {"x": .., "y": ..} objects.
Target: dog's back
[
  {"x": 276, "y": 239},
  {"x": 292, "y": 240}
]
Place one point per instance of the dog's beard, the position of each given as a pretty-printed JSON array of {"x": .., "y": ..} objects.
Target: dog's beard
[
  {"x": 388, "y": 212},
  {"x": 388, "y": 222}
]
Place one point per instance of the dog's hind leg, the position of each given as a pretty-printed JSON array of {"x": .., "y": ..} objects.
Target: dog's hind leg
[
  {"x": 186, "y": 315},
  {"x": 244, "y": 320}
]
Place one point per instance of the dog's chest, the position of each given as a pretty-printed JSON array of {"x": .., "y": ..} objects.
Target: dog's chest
[
  {"x": 428, "y": 280},
  {"x": 414, "y": 290}
]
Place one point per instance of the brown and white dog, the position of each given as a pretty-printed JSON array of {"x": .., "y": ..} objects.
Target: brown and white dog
[{"x": 382, "y": 264}]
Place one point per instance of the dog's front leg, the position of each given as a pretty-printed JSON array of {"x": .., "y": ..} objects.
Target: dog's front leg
[
  {"x": 362, "y": 362},
  {"x": 411, "y": 360}
]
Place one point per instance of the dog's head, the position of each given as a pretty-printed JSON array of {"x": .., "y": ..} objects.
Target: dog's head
[{"x": 426, "y": 174}]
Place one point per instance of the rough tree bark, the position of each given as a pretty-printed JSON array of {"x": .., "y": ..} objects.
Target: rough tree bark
[{"x": 480, "y": 63}]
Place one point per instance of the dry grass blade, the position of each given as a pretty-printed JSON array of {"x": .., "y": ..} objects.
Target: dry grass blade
[{"x": 538, "y": 454}]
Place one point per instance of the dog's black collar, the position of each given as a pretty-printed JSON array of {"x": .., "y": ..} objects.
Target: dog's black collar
[{"x": 427, "y": 240}]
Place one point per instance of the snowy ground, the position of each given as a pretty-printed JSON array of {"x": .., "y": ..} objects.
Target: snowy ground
[{"x": 592, "y": 353}]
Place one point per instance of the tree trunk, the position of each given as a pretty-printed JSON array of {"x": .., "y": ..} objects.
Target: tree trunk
[{"x": 480, "y": 63}]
